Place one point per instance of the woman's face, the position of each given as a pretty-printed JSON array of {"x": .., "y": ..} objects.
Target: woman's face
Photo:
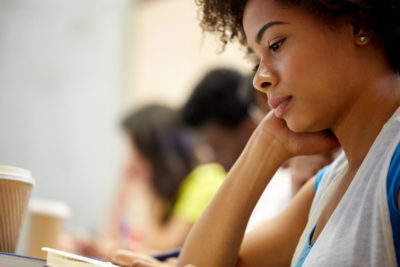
[{"x": 310, "y": 71}]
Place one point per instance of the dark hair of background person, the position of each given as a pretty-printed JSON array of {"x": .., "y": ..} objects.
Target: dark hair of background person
[
  {"x": 159, "y": 134},
  {"x": 216, "y": 98},
  {"x": 379, "y": 18}
]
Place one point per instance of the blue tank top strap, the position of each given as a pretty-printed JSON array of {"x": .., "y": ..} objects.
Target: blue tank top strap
[
  {"x": 318, "y": 177},
  {"x": 393, "y": 187},
  {"x": 307, "y": 248}
]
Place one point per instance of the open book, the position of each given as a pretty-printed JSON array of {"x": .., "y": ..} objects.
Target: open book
[
  {"x": 16, "y": 260},
  {"x": 57, "y": 258}
]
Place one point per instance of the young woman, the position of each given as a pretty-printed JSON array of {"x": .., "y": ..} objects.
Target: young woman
[{"x": 330, "y": 72}]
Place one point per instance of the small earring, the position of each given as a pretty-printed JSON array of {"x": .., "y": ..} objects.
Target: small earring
[{"x": 362, "y": 38}]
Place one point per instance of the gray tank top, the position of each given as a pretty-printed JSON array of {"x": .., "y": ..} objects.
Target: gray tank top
[{"x": 359, "y": 231}]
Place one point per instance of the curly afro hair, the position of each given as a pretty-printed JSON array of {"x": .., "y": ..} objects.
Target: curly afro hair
[
  {"x": 379, "y": 17},
  {"x": 223, "y": 17}
]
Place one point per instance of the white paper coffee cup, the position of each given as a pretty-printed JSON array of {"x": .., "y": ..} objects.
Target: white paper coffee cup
[{"x": 46, "y": 223}]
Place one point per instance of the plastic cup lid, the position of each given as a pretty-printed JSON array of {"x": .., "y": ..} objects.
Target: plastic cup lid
[
  {"x": 16, "y": 173},
  {"x": 49, "y": 207}
]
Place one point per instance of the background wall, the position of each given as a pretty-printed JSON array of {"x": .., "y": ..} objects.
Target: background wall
[
  {"x": 62, "y": 78},
  {"x": 171, "y": 53}
]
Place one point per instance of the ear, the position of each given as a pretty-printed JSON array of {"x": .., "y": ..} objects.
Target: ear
[{"x": 360, "y": 36}]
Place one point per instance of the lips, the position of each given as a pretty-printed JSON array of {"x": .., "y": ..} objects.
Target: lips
[{"x": 279, "y": 104}]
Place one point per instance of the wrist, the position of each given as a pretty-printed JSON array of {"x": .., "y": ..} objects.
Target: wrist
[{"x": 259, "y": 161}]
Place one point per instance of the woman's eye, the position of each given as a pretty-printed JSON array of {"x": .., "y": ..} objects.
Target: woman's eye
[{"x": 275, "y": 46}]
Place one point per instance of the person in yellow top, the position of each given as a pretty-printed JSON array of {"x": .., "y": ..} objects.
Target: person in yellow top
[{"x": 164, "y": 185}]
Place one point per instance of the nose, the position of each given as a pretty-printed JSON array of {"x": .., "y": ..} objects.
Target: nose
[{"x": 264, "y": 79}]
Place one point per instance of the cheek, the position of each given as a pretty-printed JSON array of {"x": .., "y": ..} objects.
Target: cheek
[
  {"x": 315, "y": 87},
  {"x": 305, "y": 69}
]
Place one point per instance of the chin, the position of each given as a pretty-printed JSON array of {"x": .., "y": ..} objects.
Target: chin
[
  {"x": 299, "y": 126},
  {"x": 295, "y": 126}
]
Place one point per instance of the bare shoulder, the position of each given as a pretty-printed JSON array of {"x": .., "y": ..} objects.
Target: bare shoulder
[{"x": 273, "y": 243}]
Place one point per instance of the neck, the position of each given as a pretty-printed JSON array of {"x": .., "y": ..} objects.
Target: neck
[{"x": 360, "y": 124}]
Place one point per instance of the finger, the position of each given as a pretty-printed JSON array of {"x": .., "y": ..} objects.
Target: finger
[
  {"x": 140, "y": 263},
  {"x": 126, "y": 257},
  {"x": 172, "y": 261},
  {"x": 121, "y": 259}
]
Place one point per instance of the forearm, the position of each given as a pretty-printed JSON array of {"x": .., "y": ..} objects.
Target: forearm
[{"x": 216, "y": 237}]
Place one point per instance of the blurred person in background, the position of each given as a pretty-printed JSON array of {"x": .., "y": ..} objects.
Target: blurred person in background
[
  {"x": 218, "y": 112},
  {"x": 302, "y": 168},
  {"x": 163, "y": 179}
]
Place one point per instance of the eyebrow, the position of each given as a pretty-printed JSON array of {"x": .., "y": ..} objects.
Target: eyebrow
[{"x": 266, "y": 27}]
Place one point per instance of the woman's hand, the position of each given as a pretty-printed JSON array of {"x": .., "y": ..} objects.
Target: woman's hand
[{"x": 288, "y": 143}]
